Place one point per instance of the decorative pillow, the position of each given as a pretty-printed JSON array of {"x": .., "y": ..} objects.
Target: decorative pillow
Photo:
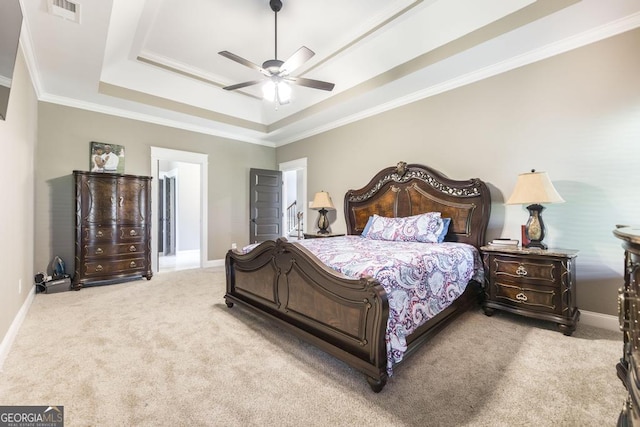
[
  {"x": 367, "y": 227},
  {"x": 428, "y": 228},
  {"x": 445, "y": 229}
]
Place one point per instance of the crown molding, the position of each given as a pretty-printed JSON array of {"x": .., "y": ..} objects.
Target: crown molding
[{"x": 149, "y": 118}]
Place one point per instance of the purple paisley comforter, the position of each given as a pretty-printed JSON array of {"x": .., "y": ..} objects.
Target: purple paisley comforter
[{"x": 421, "y": 279}]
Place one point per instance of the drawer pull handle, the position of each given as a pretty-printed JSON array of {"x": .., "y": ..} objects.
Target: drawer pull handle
[
  {"x": 99, "y": 233},
  {"x": 521, "y": 297},
  {"x": 99, "y": 267},
  {"x": 133, "y": 264},
  {"x": 132, "y": 233},
  {"x": 132, "y": 248},
  {"x": 99, "y": 251},
  {"x": 121, "y": 200},
  {"x": 521, "y": 271}
]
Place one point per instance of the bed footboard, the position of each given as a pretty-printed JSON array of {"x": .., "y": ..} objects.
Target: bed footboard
[{"x": 345, "y": 317}]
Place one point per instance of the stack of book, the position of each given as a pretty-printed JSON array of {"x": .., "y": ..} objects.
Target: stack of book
[{"x": 504, "y": 242}]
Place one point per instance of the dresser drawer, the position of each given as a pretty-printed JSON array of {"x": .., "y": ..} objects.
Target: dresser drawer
[
  {"x": 523, "y": 270},
  {"x": 126, "y": 234},
  {"x": 539, "y": 298},
  {"x": 113, "y": 267},
  {"x": 99, "y": 234},
  {"x": 98, "y": 250},
  {"x": 113, "y": 234}
]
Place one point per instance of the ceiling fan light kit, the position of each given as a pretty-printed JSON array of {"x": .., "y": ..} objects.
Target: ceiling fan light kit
[
  {"x": 278, "y": 92},
  {"x": 277, "y": 73}
]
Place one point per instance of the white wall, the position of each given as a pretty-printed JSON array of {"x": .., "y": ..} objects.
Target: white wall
[{"x": 17, "y": 144}]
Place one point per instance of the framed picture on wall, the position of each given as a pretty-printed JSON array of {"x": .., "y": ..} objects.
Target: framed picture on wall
[{"x": 106, "y": 157}]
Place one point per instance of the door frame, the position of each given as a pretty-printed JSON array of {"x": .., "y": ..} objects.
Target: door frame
[
  {"x": 296, "y": 165},
  {"x": 157, "y": 154}
]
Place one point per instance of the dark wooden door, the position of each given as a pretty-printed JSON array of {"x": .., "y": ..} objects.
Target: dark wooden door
[
  {"x": 265, "y": 205},
  {"x": 131, "y": 201},
  {"x": 160, "y": 215},
  {"x": 100, "y": 204},
  {"x": 169, "y": 215}
]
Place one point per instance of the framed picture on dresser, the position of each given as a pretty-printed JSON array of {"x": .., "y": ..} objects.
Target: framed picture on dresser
[{"x": 105, "y": 157}]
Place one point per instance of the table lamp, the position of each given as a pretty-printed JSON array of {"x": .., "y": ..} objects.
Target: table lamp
[
  {"x": 533, "y": 189},
  {"x": 322, "y": 201}
]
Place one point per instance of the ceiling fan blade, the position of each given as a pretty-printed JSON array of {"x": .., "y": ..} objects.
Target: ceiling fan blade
[
  {"x": 299, "y": 57},
  {"x": 315, "y": 84},
  {"x": 245, "y": 62},
  {"x": 241, "y": 85}
]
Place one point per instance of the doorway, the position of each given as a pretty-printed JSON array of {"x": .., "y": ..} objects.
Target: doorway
[
  {"x": 294, "y": 198},
  {"x": 180, "y": 209}
]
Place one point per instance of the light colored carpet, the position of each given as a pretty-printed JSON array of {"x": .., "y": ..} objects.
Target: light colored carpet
[{"x": 169, "y": 352}]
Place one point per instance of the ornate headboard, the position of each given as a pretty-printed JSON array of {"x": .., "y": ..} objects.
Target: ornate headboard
[{"x": 406, "y": 190}]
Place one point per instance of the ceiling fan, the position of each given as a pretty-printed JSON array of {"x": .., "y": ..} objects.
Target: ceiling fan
[{"x": 278, "y": 73}]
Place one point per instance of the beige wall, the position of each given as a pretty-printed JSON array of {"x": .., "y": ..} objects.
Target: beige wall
[
  {"x": 64, "y": 134},
  {"x": 576, "y": 116},
  {"x": 18, "y": 144}
]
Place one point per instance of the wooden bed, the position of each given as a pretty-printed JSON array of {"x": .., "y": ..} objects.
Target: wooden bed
[{"x": 347, "y": 317}]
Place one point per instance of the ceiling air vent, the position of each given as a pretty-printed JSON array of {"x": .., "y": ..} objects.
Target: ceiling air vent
[{"x": 65, "y": 9}]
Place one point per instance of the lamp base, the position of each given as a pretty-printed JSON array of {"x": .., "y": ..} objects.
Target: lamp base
[
  {"x": 536, "y": 244},
  {"x": 323, "y": 222},
  {"x": 534, "y": 229}
]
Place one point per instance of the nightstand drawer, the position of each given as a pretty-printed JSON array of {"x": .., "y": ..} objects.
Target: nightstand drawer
[
  {"x": 540, "y": 298},
  {"x": 542, "y": 272}
]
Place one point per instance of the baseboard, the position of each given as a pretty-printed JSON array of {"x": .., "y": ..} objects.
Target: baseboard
[
  {"x": 188, "y": 252},
  {"x": 599, "y": 320},
  {"x": 214, "y": 263},
  {"x": 11, "y": 334}
]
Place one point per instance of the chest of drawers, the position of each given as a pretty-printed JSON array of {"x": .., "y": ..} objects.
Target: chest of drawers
[
  {"x": 113, "y": 228},
  {"x": 532, "y": 282},
  {"x": 628, "y": 368}
]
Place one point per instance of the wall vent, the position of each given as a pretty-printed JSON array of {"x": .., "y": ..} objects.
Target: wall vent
[{"x": 65, "y": 9}]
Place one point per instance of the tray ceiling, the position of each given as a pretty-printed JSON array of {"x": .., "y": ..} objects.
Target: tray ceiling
[{"x": 158, "y": 61}]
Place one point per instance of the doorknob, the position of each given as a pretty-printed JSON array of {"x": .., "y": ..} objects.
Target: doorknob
[{"x": 253, "y": 220}]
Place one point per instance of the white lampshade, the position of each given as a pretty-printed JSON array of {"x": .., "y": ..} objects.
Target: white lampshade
[
  {"x": 322, "y": 200},
  {"x": 534, "y": 188}
]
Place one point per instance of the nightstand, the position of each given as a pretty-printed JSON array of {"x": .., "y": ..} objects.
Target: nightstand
[
  {"x": 532, "y": 282},
  {"x": 316, "y": 236}
]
